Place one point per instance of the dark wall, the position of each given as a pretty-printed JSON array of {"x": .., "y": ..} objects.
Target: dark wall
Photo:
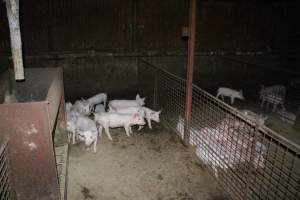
[
  {"x": 99, "y": 40},
  {"x": 87, "y": 76},
  {"x": 238, "y": 72},
  {"x": 143, "y": 25}
]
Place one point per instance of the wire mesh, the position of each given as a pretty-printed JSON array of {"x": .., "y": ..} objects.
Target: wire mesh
[
  {"x": 5, "y": 186},
  {"x": 269, "y": 90},
  {"x": 61, "y": 154},
  {"x": 249, "y": 160}
]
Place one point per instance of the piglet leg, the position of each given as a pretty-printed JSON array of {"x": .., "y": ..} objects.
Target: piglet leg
[
  {"x": 108, "y": 133},
  {"x": 140, "y": 128},
  {"x": 95, "y": 145},
  {"x": 130, "y": 130},
  {"x": 73, "y": 137},
  {"x": 100, "y": 131},
  {"x": 127, "y": 130},
  {"x": 149, "y": 123}
]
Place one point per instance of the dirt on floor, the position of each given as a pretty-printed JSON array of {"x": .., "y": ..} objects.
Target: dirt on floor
[{"x": 149, "y": 165}]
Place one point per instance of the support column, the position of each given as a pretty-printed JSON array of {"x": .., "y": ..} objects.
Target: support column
[
  {"x": 190, "y": 69},
  {"x": 12, "y": 7}
]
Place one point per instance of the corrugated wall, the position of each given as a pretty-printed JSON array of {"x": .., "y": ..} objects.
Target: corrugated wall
[
  {"x": 143, "y": 25},
  {"x": 4, "y": 30},
  {"x": 67, "y": 33},
  {"x": 159, "y": 24},
  {"x": 72, "y": 25}
]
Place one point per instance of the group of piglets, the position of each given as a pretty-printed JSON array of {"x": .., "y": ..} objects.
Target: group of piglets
[{"x": 86, "y": 118}]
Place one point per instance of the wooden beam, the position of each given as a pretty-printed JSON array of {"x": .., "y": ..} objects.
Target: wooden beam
[{"x": 12, "y": 7}]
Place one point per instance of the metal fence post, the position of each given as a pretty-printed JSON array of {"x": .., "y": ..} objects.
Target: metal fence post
[
  {"x": 12, "y": 7},
  {"x": 155, "y": 90},
  {"x": 190, "y": 69},
  {"x": 252, "y": 152}
]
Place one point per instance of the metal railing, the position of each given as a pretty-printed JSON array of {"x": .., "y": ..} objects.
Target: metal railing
[
  {"x": 5, "y": 185},
  {"x": 249, "y": 160},
  {"x": 271, "y": 89}
]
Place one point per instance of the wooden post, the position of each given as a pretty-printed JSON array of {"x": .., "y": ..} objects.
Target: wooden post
[
  {"x": 12, "y": 7},
  {"x": 190, "y": 69}
]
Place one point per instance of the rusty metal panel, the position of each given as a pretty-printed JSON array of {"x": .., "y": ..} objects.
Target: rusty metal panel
[
  {"x": 190, "y": 68},
  {"x": 31, "y": 152}
]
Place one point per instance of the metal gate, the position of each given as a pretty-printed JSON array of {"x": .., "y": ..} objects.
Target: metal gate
[
  {"x": 5, "y": 185},
  {"x": 249, "y": 161}
]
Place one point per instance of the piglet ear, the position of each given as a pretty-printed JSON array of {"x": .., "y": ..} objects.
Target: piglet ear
[
  {"x": 159, "y": 112},
  {"x": 137, "y": 96}
]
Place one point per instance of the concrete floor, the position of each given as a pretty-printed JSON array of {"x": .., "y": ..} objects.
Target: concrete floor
[{"x": 150, "y": 165}]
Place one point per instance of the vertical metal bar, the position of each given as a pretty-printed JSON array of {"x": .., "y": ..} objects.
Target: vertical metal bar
[
  {"x": 155, "y": 92},
  {"x": 190, "y": 68},
  {"x": 251, "y": 160}
]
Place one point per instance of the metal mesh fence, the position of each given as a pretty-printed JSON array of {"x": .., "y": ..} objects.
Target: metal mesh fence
[
  {"x": 270, "y": 90},
  {"x": 5, "y": 186},
  {"x": 61, "y": 154},
  {"x": 249, "y": 160},
  {"x": 163, "y": 91}
]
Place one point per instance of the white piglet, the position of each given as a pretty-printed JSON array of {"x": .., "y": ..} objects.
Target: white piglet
[
  {"x": 82, "y": 107},
  {"x": 86, "y": 131},
  {"x": 227, "y": 92},
  {"x": 145, "y": 112},
  {"x": 116, "y": 120},
  {"x": 68, "y": 106},
  {"x": 117, "y": 104},
  {"x": 151, "y": 115},
  {"x": 71, "y": 118},
  {"x": 99, "y": 108},
  {"x": 97, "y": 99}
]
